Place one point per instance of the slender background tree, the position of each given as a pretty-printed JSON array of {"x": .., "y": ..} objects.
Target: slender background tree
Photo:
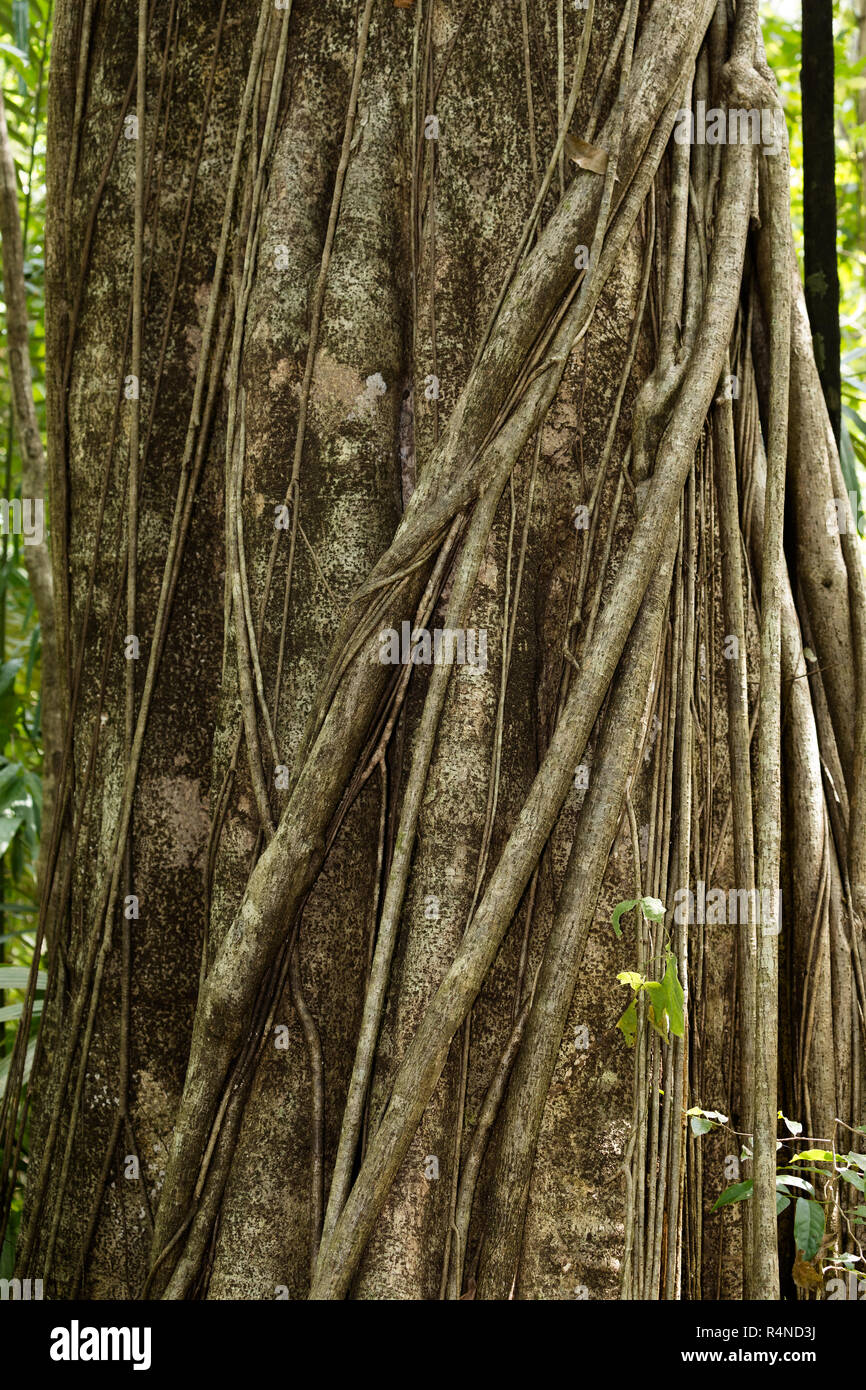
[{"x": 819, "y": 198}]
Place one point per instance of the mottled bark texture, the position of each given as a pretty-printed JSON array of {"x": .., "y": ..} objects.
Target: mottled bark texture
[{"x": 371, "y": 989}]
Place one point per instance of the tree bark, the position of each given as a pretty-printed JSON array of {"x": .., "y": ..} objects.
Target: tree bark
[{"x": 333, "y": 991}]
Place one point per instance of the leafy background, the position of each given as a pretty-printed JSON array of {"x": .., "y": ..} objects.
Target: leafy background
[
  {"x": 781, "y": 25},
  {"x": 25, "y": 33}
]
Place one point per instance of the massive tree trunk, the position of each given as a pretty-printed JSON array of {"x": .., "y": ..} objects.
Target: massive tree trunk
[{"x": 343, "y": 337}]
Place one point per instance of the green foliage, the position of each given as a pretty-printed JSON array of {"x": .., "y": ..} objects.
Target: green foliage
[
  {"x": 781, "y": 29},
  {"x": 25, "y": 27},
  {"x": 808, "y": 1226},
  {"x": 651, "y": 908},
  {"x": 830, "y": 1170},
  {"x": 737, "y": 1193},
  {"x": 702, "y": 1121},
  {"x": 666, "y": 1001},
  {"x": 664, "y": 997}
]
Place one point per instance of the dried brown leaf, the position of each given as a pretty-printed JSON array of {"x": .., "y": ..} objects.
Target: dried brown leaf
[
  {"x": 584, "y": 155},
  {"x": 805, "y": 1275}
]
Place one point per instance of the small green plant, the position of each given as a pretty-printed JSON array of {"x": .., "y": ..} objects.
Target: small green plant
[
  {"x": 664, "y": 997},
  {"x": 824, "y": 1193}
]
